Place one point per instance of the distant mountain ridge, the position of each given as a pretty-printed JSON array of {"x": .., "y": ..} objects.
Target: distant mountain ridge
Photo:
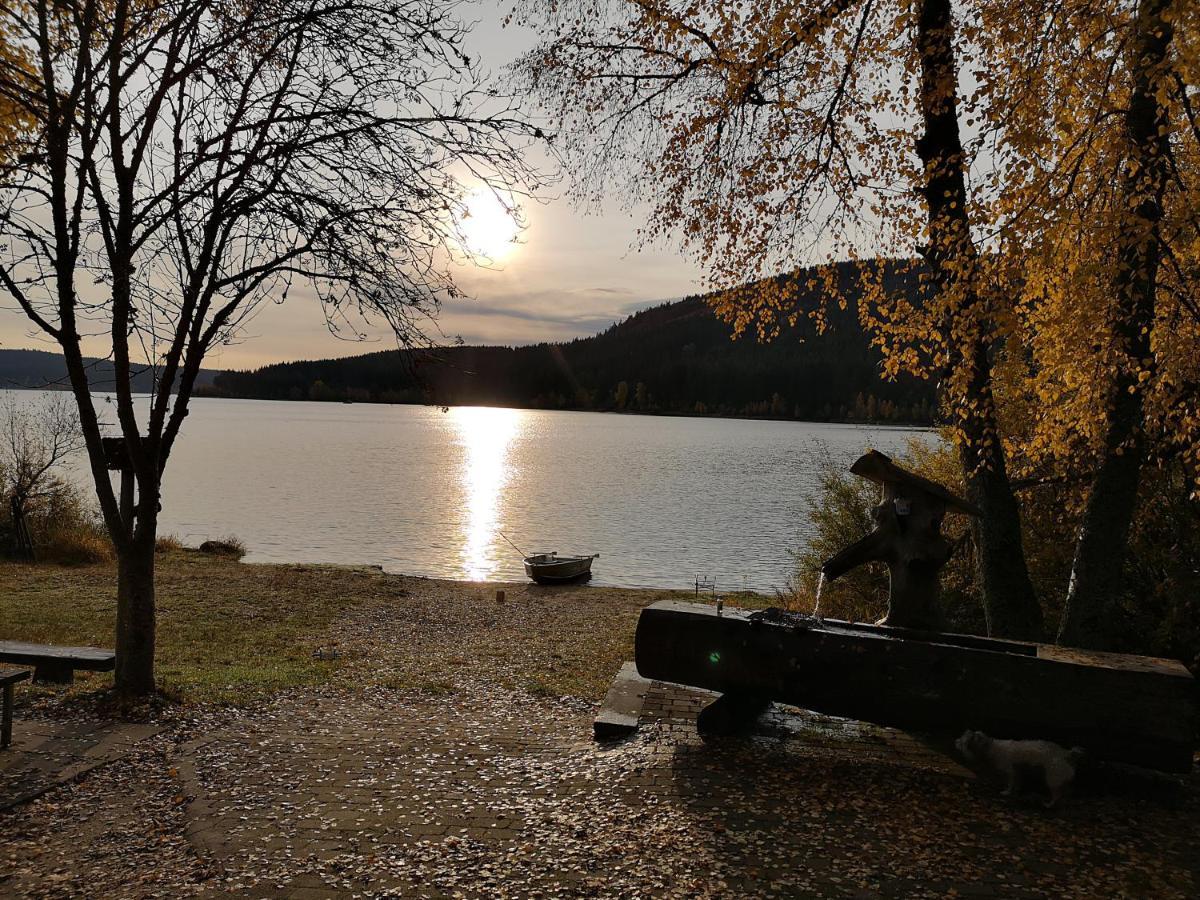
[
  {"x": 44, "y": 369},
  {"x": 675, "y": 358}
]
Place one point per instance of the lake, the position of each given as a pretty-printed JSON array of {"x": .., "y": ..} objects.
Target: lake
[{"x": 426, "y": 492}]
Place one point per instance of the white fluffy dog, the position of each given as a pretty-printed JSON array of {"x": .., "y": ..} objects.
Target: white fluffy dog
[{"x": 1056, "y": 765}]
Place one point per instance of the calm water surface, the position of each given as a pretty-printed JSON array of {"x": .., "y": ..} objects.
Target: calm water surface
[{"x": 427, "y": 492}]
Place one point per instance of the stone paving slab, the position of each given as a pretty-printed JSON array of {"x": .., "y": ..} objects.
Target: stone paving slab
[
  {"x": 621, "y": 709},
  {"x": 47, "y": 753}
]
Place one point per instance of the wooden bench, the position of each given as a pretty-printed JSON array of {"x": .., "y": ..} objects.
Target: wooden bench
[
  {"x": 8, "y": 679},
  {"x": 55, "y": 664}
]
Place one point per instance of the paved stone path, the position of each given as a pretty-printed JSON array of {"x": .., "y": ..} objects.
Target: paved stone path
[
  {"x": 46, "y": 753},
  {"x": 488, "y": 793}
]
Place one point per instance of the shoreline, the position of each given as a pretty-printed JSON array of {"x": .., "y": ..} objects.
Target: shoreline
[
  {"x": 665, "y": 414},
  {"x": 503, "y": 581},
  {"x": 443, "y": 744}
]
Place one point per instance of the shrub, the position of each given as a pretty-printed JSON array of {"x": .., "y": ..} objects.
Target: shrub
[
  {"x": 78, "y": 547},
  {"x": 167, "y": 543},
  {"x": 65, "y": 528},
  {"x": 840, "y": 515},
  {"x": 229, "y": 546},
  {"x": 1160, "y": 610}
]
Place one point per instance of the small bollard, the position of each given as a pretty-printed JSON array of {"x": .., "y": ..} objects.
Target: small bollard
[
  {"x": 499, "y": 596},
  {"x": 720, "y": 605}
]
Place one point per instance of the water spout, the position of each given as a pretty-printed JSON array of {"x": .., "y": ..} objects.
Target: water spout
[
  {"x": 872, "y": 548},
  {"x": 816, "y": 613}
]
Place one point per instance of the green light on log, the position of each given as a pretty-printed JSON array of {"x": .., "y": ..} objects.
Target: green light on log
[{"x": 714, "y": 657}]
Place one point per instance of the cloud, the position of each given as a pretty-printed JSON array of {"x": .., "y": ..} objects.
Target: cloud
[{"x": 536, "y": 316}]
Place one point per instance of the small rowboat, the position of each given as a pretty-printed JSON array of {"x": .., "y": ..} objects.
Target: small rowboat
[{"x": 550, "y": 568}]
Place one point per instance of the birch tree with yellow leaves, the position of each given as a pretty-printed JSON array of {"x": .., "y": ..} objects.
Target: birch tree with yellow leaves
[
  {"x": 1034, "y": 165},
  {"x": 1097, "y": 190},
  {"x": 770, "y": 137},
  {"x": 13, "y": 117}
]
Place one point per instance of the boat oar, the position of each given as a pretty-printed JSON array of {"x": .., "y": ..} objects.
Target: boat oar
[{"x": 514, "y": 546}]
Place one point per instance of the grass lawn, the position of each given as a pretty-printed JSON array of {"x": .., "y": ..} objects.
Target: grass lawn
[
  {"x": 230, "y": 632},
  {"x": 227, "y": 632}
]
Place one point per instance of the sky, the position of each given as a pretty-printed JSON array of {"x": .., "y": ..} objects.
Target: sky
[{"x": 571, "y": 274}]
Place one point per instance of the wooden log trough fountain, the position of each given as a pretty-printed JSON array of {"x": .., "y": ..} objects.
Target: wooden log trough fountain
[
  {"x": 904, "y": 674},
  {"x": 1131, "y": 709}
]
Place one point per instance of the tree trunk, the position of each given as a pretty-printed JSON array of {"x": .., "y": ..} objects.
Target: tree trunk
[
  {"x": 1009, "y": 601},
  {"x": 135, "y": 591},
  {"x": 1095, "y": 585},
  {"x": 135, "y": 620},
  {"x": 22, "y": 539},
  {"x": 1010, "y": 604}
]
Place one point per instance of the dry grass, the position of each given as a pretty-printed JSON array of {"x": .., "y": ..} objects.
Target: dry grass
[
  {"x": 83, "y": 546},
  {"x": 66, "y": 530},
  {"x": 165, "y": 543},
  {"x": 231, "y": 633},
  {"x": 226, "y": 632}
]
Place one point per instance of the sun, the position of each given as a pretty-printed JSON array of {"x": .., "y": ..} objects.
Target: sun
[{"x": 488, "y": 229}]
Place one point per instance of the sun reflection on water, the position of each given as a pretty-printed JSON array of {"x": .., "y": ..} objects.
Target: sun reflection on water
[{"x": 485, "y": 434}]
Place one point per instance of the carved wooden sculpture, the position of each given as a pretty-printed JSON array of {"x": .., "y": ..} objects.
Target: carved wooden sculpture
[{"x": 907, "y": 538}]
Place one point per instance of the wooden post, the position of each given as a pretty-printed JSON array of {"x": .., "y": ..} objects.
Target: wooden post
[
  {"x": 51, "y": 671},
  {"x": 731, "y": 714},
  {"x": 116, "y": 458}
]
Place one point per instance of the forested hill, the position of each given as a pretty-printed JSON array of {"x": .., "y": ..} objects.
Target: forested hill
[
  {"x": 673, "y": 358},
  {"x": 43, "y": 369}
]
